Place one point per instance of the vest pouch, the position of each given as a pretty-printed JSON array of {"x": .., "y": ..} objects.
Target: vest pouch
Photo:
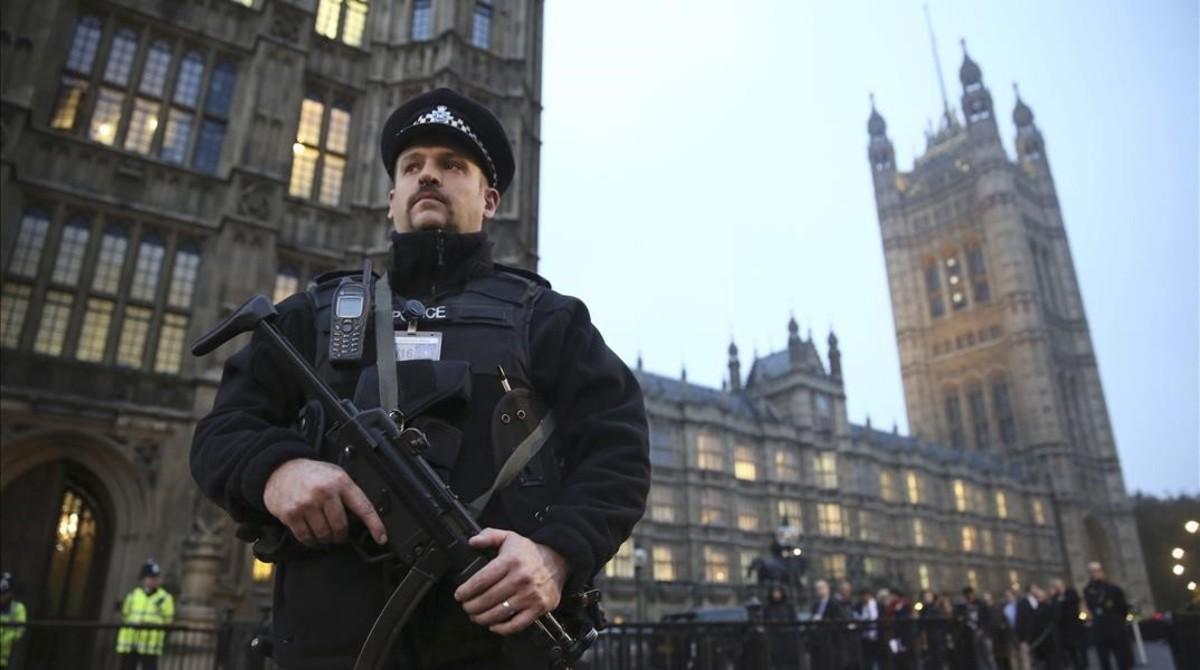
[
  {"x": 515, "y": 416},
  {"x": 444, "y": 443}
]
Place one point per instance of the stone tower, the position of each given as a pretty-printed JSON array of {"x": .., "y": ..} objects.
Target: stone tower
[{"x": 994, "y": 345}]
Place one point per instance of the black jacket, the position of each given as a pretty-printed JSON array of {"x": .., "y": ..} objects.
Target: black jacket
[{"x": 602, "y": 440}]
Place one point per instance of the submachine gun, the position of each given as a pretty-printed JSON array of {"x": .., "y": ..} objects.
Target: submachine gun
[{"x": 427, "y": 526}]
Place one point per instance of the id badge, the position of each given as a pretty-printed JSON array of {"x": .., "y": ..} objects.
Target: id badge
[{"x": 418, "y": 346}]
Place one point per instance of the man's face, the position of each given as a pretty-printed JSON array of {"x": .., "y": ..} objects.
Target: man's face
[
  {"x": 1096, "y": 571},
  {"x": 439, "y": 188},
  {"x": 150, "y": 583}
]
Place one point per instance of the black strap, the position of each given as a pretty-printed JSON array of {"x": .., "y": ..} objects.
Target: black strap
[{"x": 385, "y": 346}]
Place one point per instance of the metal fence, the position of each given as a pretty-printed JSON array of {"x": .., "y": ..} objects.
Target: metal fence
[
  {"x": 941, "y": 644},
  {"x": 63, "y": 645}
]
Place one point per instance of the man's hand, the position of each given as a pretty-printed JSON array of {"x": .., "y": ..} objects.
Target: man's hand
[
  {"x": 311, "y": 498},
  {"x": 523, "y": 582}
]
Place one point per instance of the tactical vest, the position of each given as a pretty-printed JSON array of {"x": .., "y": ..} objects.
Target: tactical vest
[{"x": 485, "y": 330}]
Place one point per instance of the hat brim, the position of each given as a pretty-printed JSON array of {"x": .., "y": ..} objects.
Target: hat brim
[{"x": 438, "y": 135}]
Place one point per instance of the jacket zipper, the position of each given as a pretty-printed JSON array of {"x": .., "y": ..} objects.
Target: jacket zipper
[{"x": 441, "y": 260}]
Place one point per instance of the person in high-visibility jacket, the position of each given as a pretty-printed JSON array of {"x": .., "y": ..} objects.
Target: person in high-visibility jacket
[
  {"x": 12, "y": 615},
  {"x": 148, "y": 604}
]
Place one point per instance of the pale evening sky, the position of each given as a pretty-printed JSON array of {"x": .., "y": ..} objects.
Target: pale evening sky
[{"x": 704, "y": 174}]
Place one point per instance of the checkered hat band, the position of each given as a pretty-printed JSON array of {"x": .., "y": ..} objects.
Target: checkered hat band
[{"x": 444, "y": 116}]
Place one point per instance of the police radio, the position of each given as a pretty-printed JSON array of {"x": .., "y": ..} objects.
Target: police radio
[{"x": 351, "y": 302}]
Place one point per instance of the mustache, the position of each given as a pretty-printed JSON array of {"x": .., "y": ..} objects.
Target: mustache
[{"x": 427, "y": 192}]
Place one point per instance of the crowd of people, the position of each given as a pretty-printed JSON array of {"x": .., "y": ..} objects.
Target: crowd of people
[{"x": 1034, "y": 628}]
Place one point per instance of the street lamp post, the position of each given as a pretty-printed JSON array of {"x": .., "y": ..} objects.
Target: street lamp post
[{"x": 639, "y": 570}]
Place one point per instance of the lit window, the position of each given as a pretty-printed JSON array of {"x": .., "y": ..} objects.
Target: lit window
[
  {"x": 716, "y": 565},
  {"x": 187, "y": 82},
  {"x": 664, "y": 564},
  {"x": 914, "y": 488},
  {"x": 887, "y": 486},
  {"x": 1010, "y": 545},
  {"x": 70, "y": 252},
  {"x": 348, "y": 15},
  {"x": 972, "y": 579},
  {"x": 1014, "y": 578},
  {"x": 747, "y": 515},
  {"x": 110, "y": 261},
  {"x": 183, "y": 277},
  {"x": 170, "y": 344},
  {"x": 106, "y": 116},
  {"x": 154, "y": 72},
  {"x": 662, "y": 503},
  {"x": 422, "y": 19},
  {"x": 745, "y": 464},
  {"x": 829, "y": 516},
  {"x": 66, "y": 108},
  {"x": 83, "y": 45},
  {"x": 790, "y": 513},
  {"x": 93, "y": 339},
  {"x": 120, "y": 57},
  {"x": 979, "y": 418},
  {"x": 923, "y": 575},
  {"x": 867, "y": 530},
  {"x": 481, "y": 26},
  {"x": 287, "y": 282},
  {"x": 175, "y": 140},
  {"x": 31, "y": 240},
  {"x": 621, "y": 564},
  {"x": 1039, "y": 513},
  {"x": 787, "y": 464},
  {"x": 13, "y": 307},
  {"x": 310, "y": 155},
  {"x": 132, "y": 344},
  {"x": 711, "y": 454},
  {"x": 960, "y": 495},
  {"x": 713, "y": 508},
  {"x": 147, "y": 269},
  {"x": 958, "y": 299},
  {"x": 827, "y": 470},
  {"x": 142, "y": 125},
  {"x": 918, "y": 533},
  {"x": 985, "y": 537},
  {"x": 1001, "y": 505},
  {"x": 968, "y": 539},
  {"x": 56, "y": 311},
  {"x": 834, "y": 566}
]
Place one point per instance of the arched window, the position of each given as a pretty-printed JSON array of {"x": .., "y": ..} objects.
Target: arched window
[
  {"x": 154, "y": 72},
  {"x": 1002, "y": 407},
  {"x": 977, "y": 270},
  {"x": 120, "y": 57},
  {"x": 75, "y": 551},
  {"x": 148, "y": 268},
  {"x": 422, "y": 20},
  {"x": 322, "y": 140},
  {"x": 71, "y": 250},
  {"x": 979, "y": 417},
  {"x": 183, "y": 277},
  {"x": 84, "y": 42},
  {"x": 954, "y": 418},
  {"x": 31, "y": 240},
  {"x": 342, "y": 19},
  {"x": 933, "y": 290},
  {"x": 111, "y": 259}
]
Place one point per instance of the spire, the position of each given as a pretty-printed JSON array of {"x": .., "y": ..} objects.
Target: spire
[
  {"x": 976, "y": 100},
  {"x": 735, "y": 368},
  {"x": 793, "y": 328},
  {"x": 683, "y": 373},
  {"x": 879, "y": 150},
  {"x": 948, "y": 117},
  {"x": 835, "y": 357},
  {"x": 639, "y": 361},
  {"x": 1030, "y": 146},
  {"x": 876, "y": 126},
  {"x": 1022, "y": 114},
  {"x": 795, "y": 345}
]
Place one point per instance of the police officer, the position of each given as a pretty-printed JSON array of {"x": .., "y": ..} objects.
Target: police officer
[
  {"x": 553, "y": 527},
  {"x": 12, "y": 618},
  {"x": 148, "y": 604},
  {"x": 1109, "y": 609}
]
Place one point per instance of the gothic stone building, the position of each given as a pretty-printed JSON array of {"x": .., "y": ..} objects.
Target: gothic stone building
[
  {"x": 1012, "y": 474},
  {"x": 161, "y": 162}
]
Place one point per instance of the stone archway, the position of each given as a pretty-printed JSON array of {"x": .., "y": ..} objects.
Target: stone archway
[{"x": 75, "y": 496}]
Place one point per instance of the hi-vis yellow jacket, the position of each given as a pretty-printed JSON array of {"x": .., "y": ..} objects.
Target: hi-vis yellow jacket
[
  {"x": 10, "y": 634},
  {"x": 150, "y": 609}
]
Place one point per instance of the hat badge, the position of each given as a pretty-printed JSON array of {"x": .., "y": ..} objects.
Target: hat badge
[{"x": 439, "y": 115}]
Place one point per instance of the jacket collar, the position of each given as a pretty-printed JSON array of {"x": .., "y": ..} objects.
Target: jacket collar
[{"x": 427, "y": 263}]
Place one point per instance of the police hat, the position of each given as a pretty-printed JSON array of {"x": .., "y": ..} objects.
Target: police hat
[
  {"x": 150, "y": 569},
  {"x": 449, "y": 116}
]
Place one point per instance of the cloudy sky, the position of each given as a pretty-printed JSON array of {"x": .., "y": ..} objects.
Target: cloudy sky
[{"x": 704, "y": 175}]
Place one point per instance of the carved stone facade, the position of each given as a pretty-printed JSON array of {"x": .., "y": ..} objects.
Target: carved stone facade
[{"x": 148, "y": 162}]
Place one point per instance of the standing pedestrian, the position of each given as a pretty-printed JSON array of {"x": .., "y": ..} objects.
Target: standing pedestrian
[
  {"x": 1109, "y": 609},
  {"x": 148, "y": 604},
  {"x": 823, "y": 647},
  {"x": 12, "y": 619},
  {"x": 977, "y": 618},
  {"x": 1070, "y": 627},
  {"x": 866, "y": 611},
  {"x": 782, "y": 638}
]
